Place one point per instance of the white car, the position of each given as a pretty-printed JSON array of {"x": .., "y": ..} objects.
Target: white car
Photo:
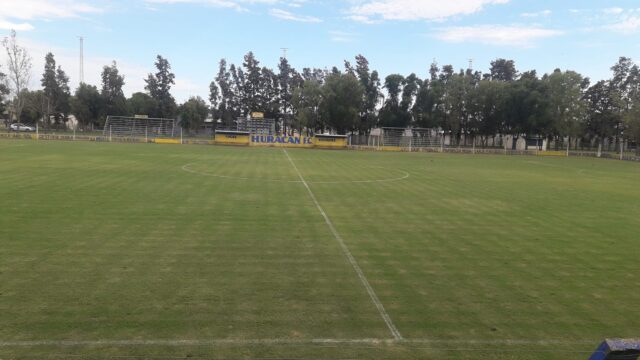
[{"x": 21, "y": 127}]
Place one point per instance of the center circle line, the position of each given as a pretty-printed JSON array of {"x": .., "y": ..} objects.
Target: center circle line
[{"x": 404, "y": 176}]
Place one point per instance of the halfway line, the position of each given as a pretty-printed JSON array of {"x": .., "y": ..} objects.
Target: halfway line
[{"x": 347, "y": 253}]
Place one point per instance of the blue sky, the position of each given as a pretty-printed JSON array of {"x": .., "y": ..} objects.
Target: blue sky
[{"x": 397, "y": 36}]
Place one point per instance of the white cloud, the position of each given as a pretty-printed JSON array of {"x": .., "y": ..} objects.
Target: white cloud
[
  {"x": 536, "y": 14},
  {"x": 7, "y": 25},
  {"x": 518, "y": 36},
  {"x": 614, "y": 11},
  {"x": 628, "y": 24},
  {"x": 40, "y": 10},
  {"x": 342, "y": 36},
  {"x": 417, "y": 10},
  {"x": 363, "y": 19},
  {"x": 296, "y": 3},
  {"x": 624, "y": 21},
  {"x": 286, "y": 15},
  {"x": 45, "y": 9},
  {"x": 239, "y": 5}
]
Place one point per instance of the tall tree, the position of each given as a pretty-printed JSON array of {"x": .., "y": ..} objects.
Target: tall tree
[
  {"x": 62, "y": 106},
  {"x": 567, "y": 106},
  {"x": 410, "y": 88},
  {"x": 392, "y": 113},
  {"x": 226, "y": 110},
  {"x": 528, "y": 107},
  {"x": 271, "y": 96},
  {"x": 214, "y": 99},
  {"x": 19, "y": 72},
  {"x": 50, "y": 85},
  {"x": 457, "y": 105},
  {"x": 193, "y": 113},
  {"x": 313, "y": 74},
  {"x": 111, "y": 92},
  {"x": 632, "y": 122},
  {"x": 426, "y": 104},
  {"x": 34, "y": 106},
  {"x": 4, "y": 90},
  {"x": 252, "y": 81},
  {"x": 626, "y": 84},
  {"x": 285, "y": 90},
  {"x": 503, "y": 70},
  {"x": 55, "y": 84},
  {"x": 142, "y": 104},
  {"x": 488, "y": 108},
  {"x": 370, "y": 82},
  {"x": 306, "y": 101},
  {"x": 86, "y": 105},
  {"x": 342, "y": 98},
  {"x": 159, "y": 87},
  {"x": 603, "y": 115},
  {"x": 239, "y": 99}
]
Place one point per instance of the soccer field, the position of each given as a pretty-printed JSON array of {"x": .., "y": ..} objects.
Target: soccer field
[{"x": 168, "y": 251}]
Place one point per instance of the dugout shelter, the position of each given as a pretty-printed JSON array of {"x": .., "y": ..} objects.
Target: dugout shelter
[
  {"x": 617, "y": 349},
  {"x": 232, "y": 137},
  {"x": 328, "y": 141}
]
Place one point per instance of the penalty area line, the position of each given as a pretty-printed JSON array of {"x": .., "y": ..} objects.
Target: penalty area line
[{"x": 352, "y": 260}]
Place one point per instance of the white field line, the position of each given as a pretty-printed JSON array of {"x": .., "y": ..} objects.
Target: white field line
[
  {"x": 284, "y": 342},
  {"x": 188, "y": 169},
  {"x": 347, "y": 253},
  {"x": 405, "y": 175},
  {"x": 4, "y": 146}
]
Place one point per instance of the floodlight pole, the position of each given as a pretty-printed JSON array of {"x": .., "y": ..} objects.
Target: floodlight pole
[{"x": 81, "y": 59}]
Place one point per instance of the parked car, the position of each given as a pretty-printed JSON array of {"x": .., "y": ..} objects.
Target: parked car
[{"x": 21, "y": 127}]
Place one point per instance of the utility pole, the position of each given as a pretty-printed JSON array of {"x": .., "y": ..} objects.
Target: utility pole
[
  {"x": 471, "y": 64},
  {"x": 81, "y": 59},
  {"x": 284, "y": 52}
]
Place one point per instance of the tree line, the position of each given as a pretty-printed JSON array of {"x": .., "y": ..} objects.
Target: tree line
[{"x": 467, "y": 105}]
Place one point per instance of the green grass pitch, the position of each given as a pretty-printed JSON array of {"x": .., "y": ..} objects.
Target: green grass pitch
[{"x": 168, "y": 251}]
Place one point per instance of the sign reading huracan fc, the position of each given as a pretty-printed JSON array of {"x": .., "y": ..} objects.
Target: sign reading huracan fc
[{"x": 276, "y": 140}]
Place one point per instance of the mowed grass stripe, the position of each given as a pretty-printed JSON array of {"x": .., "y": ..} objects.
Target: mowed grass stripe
[
  {"x": 372, "y": 294},
  {"x": 472, "y": 256},
  {"x": 506, "y": 236},
  {"x": 149, "y": 251}
]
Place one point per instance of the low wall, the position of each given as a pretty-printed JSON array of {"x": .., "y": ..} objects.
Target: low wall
[
  {"x": 168, "y": 141},
  {"x": 308, "y": 142}
]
